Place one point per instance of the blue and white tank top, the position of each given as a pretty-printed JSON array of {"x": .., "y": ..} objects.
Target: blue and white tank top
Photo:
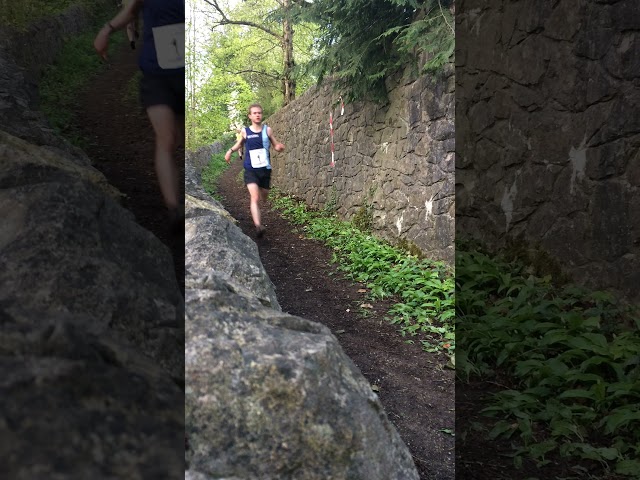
[
  {"x": 163, "y": 37},
  {"x": 256, "y": 149}
]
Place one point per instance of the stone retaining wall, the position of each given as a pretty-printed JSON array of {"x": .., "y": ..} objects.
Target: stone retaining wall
[
  {"x": 397, "y": 158},
  {"x": 548, "y": 132}
]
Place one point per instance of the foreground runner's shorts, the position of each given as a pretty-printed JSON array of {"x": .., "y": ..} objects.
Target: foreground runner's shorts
[
  {"x": 163, "y": 90},
  {"x": 261, "y": 176}
]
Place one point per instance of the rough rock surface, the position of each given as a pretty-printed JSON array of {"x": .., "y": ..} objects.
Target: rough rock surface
[
  {"x": 92, "y": 319},
  {"x": 92, "y": 326},
  {"x": 268, "y": 395},
  {"x": 79, "y": 401},
  {"x": 397, "y": 159},
  {"x": 548, "y": 132}
]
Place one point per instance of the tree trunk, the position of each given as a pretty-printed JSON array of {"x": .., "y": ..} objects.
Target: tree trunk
[
  {"x": 288, "y": 82},
  {"x": 190, "y": 127}
]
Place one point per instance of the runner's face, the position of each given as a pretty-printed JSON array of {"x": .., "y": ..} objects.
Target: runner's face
[{"x": 255, "y": 115}]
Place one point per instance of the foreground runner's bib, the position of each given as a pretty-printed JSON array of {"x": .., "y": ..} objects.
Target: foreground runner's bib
[
  {"x": 258, "y": 157},
  {"x": 169, "y": 42}
]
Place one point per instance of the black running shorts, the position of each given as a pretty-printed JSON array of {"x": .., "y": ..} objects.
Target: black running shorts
[
  {"x": 261, "y": 176},
  {"x": 163, "y": 90}
]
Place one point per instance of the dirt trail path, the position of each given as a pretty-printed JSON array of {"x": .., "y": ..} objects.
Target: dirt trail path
[
  {"x": 415, "y": 389},
  {"x": 121, "y": 145}
]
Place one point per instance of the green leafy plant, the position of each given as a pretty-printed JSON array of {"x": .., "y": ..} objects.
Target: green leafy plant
[
  {"x": 74, "y": 66},
  {"x": 363, "y": 218},
  {"x": 20, "y": 14},
  {"x": 331, "y": 207},
  {"x": 423, "y": 290},
  {"x": 570, "y": 356},
  {"x": 215, "y": 168}
]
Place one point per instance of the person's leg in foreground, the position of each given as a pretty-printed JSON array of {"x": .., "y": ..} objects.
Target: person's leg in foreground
[{"x": 166, "y": 128}]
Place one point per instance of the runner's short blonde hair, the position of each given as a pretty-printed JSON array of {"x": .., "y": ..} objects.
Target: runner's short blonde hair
[{"x": 254, "y": 105}]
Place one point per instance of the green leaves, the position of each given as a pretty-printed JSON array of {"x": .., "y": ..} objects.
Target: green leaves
[
  {"x": 572, "y": 358},
  {"x": 232, "y": 65},
  {"x": 76, "y": 63},
  {"x": 21, "y": 14},
  {"x": 362, "y": 42},
  {"x": 424, "y": 289},
  {"x": 215, "y": 168}
]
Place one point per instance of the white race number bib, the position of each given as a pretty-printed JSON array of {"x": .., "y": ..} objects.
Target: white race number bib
[
  {"x": 169, "y": 42},
  {"x": 258, "y": 157}
]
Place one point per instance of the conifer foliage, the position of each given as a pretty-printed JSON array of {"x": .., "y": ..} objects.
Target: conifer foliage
[{"x": 364, "y": 41}]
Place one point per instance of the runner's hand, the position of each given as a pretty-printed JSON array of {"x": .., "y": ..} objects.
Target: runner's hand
[
  {"x": 279, "y": 147},
  {"x": 101, "y": 42},
  {"x": 227, "y": 157}
]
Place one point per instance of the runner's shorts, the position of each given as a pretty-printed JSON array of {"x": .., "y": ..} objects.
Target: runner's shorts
[
  {"x": 163, "y": 90},
  {"x": 261, "y": 176}
]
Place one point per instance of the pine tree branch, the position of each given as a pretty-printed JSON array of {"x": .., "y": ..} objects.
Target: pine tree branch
[
  {"x": 277, "y": 77},
  {"x": 444, "y": 17}
]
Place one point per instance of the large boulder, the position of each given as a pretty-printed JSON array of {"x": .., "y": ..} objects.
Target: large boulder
[
  {"x": 268, "y": 395},
  {"x": 92, "y": 330},
  {"x": 79, "y": 401},
  {"x": 68, "y": 246}
]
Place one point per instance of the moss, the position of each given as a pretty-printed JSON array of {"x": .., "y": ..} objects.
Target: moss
[
  {"x": 410, "y": 247},
  {"x": 538, "y": 261},
  {"x": 331, "y": 207},
  {"x": 363, "y": 218}
]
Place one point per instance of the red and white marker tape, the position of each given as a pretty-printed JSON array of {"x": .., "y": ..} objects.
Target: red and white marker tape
[{"x": 333, "y": 163}]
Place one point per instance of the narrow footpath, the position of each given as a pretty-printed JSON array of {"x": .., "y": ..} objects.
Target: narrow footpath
[{"x": 415, "y": 388}]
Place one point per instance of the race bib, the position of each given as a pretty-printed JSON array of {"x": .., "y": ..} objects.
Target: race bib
[
  {"x": 169, "y": 42},
  {"x": 258, "y": 158}
]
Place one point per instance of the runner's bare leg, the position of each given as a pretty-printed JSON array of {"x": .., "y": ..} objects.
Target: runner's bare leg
[
  {"x": 164, "y": 122},
  {"x": 254, "y": 192}
]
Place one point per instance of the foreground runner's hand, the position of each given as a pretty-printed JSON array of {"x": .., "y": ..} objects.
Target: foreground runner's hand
[
  {"x": 101, "y": 42},
  {"x": 279, "y": 147}
]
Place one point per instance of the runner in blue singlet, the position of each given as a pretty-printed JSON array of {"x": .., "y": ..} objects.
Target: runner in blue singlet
[
  {"x": 257, "y": 163},
  {"x": 162, "y": 86}
]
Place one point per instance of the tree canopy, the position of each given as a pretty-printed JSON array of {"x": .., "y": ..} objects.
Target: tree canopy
[
  {"x": 238, "y": 60},
  {"x": 269, "y": 51}
]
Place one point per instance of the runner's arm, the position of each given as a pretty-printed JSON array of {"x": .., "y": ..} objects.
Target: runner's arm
[
  {"x": 236, "y": 146},
  {"x": 276, "y": 144},
  {"x": 124, "y": 16}
]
